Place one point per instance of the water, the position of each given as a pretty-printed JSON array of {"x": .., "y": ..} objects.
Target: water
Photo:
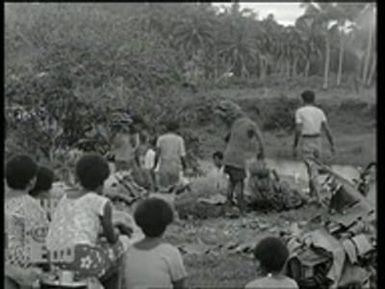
[{"x": 297, "y": 169}]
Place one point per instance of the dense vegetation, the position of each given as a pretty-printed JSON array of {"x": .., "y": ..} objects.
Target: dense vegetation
[{"x": 68, "y": 66}]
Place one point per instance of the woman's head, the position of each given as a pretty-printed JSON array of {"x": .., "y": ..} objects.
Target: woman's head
[
  {"x": 228, "y": 111},
  {"x": 91, "y": 171},
  {"x": 153, "y": 215},
  {"x": 20, "y": 173},
  {"x": 44, "y": 180},
  {"x": 272, "y": 254}
]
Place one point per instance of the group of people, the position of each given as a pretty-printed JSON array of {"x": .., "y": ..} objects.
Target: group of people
[
  {"x": 83, "y": 220},
  {"x": 245, "y": 141},
  {"x": 84, "y": 217},
  {"x": 157, "y": 163}
]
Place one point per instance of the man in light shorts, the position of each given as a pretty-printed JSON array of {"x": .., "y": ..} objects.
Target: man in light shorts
[
  {"x": 170, "y": 158},
  {"x": 310, "y": 121}
]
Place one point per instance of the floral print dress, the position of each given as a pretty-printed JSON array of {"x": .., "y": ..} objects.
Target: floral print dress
[
  {"x": 25, "y": 222},
  {"x": 76, "y": 225}
]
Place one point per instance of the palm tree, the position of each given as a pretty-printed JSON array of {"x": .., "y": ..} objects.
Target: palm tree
[
  {"x": 346, "y": 14},
  {"x": 193, "y": 34},
  {"x": 238, "y": 46},
  {"x": 323, "y": 17},
  {"x": 370, "y": 15}
]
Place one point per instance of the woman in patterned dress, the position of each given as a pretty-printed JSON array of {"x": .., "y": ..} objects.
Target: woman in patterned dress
[
  {"x": 25, "y": 221},
  {"x": 81, "y": 215}
]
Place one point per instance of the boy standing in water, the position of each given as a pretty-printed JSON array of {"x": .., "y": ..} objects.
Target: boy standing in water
[{"x": 310, "y": 121}]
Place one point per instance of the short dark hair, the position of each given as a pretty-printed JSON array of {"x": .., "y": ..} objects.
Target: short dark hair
[
  {"x": 137, "y": 119},
  {"x": 153, "y": 141},
  {"x": 44, "y": 180},
  {"x": 218, "y": 155},
  {"x": 19, "y": 171},
  {"x": 308, "y": 96},
  {"x": 153, "y": 215},
  {"x": 272, "y": 254},
  {"x": 92, "y": 170},
  {"x": 172, "y": 125}
]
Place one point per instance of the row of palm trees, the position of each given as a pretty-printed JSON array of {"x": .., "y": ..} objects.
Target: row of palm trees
[
  {"x": 210, "y": 43},
  {"x": 234, "y": 40}
]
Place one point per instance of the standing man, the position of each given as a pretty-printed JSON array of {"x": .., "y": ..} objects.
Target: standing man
[
  {"x": 170, "y": 158},
  {"x": 310, "y": 121},
  {"x": 243, "y": 141}
]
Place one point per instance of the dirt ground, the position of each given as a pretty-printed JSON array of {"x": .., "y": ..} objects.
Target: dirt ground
[{"x": 207, "y": 245}]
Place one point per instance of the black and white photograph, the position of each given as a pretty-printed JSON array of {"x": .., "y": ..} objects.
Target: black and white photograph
[{"x": 190, "y": 145}]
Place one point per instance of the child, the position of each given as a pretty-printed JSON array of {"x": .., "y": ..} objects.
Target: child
[
  {"x": 217, "y": 174},
  {"x": 23, "y": 217},
  {"x": 41, "y": 191},
  {"x": 148, "y": 164},
  {"x": 272, "y": 254},
  {"x": 151, "y": 262},
  {"x": 82, "y": 214},
  {"x": 44, "y": 180},
  {"x": 146, "y": 160}
]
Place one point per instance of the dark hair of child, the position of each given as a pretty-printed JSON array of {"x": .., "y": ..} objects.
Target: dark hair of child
[
  {"x": 153, "y": 215},
  {"x": 218, "y": 155},
  {"x": 19, "y": 171},
  {"x": 153, "y": 141},
  {"x": 172, "y": 125},
  {"x": 92, "y": 170},
  {"x": 308, "y": 96},
  {"x": 272, "y": 254},
  {"x": 44, "y": 180}
]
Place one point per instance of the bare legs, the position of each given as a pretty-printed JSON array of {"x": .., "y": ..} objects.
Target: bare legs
[
  {"x": 314, "y": 184},
  {"x": 238, "y": 189}
]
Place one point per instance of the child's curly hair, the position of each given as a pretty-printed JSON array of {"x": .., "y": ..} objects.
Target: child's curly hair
[
  {"x": 153, "y": 215},
  {"x": 272, "y": 254},
  {"x": 92, "y": 170}
]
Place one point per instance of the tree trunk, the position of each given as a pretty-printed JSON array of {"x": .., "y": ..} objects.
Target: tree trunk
[
  {"x": 216, "y": 66},
  {"x": 295, "y": 63},
  {"x": 288, "y": 68},
  {"x": 307, "y": 68},
  {"x": 327, "y": 64},
  {"x": 367, "y": 56},
  {"x": 372, "y": 70},
  {"x": 340, "y": 60},
  {"x": 263, "y": 70},
  {"x": 276, "y": 67}
]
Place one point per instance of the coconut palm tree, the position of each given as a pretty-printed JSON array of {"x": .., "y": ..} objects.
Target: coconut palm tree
[
  {"x": 323, "y": 18},
  {"x": 238, "y": 44}
]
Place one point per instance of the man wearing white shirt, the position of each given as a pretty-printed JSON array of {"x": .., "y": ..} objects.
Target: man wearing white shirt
[
  {"x": 310, "y": 121},
  {"x": 170, "y": 157}
]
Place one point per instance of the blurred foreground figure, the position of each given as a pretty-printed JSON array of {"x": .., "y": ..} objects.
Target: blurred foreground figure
[{"x": 24, "y": 218}]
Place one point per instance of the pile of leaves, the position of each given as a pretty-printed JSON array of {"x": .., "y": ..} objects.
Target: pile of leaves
[{"x": 268, "y": 192}]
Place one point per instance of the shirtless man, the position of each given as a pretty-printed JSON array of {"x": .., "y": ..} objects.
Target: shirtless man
[{"x": 310, "y": 121}]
